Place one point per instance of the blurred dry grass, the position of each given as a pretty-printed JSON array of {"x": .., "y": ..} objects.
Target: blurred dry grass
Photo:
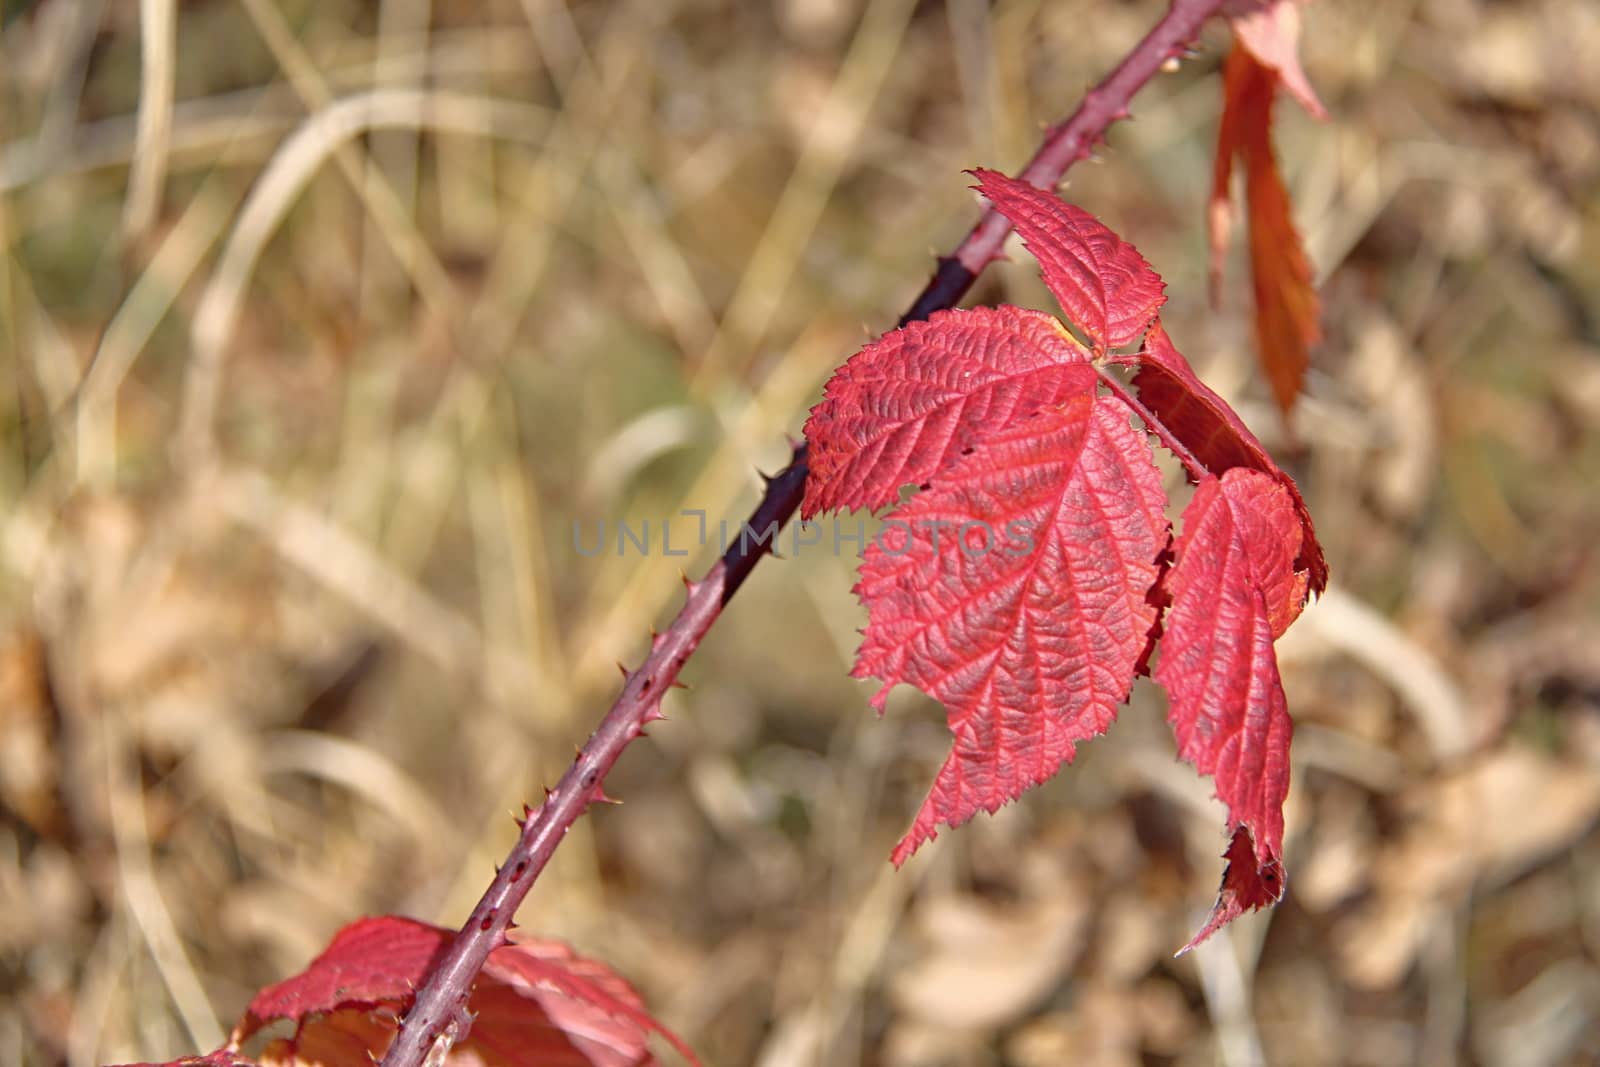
[{"x": 325, "y": 321}]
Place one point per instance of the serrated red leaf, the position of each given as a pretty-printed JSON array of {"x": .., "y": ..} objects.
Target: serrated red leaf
[
  {"x": 907, "y": 405},
  {"x": 582, "y": 1003},
  {"x": 1101, "y": 281},
  {"x": 535, "y": 1003},
  {"x": 1029, "y": 640},
  {"x": 369, "y": 962},
  {"x": 1234, "y": 589},
  {"x": 1286, "y": 305},
  {"x": 1209, "y": 427}
]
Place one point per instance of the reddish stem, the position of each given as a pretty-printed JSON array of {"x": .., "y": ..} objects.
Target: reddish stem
[
  {"x": 439, "y": 1014},
  {"x": 1064, "y": 145},
  {"x": 1197, "y": 470}
]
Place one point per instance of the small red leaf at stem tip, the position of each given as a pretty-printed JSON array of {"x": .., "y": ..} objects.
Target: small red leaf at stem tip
[
  {"x": 1101, "y": 281},
  {"x": 1016, "y": 597},
  {"x": 908, "y": 405},
  {"x": 1286, "y": 306},
  {"x": 1209, "y": 427},
  {"x": 535, "y": 1003},
  {"x": 1234, "y": 590}
]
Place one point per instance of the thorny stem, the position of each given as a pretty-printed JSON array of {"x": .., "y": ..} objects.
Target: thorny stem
[
  {"x": 1064, "y": 145},
  {"x": 442, "y": 1000}
]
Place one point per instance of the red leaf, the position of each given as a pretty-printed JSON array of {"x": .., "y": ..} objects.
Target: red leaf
[
  {"x": 1286, "y": 304},
  {"x": 535, "y": 1003},
  {"x": 1235, "y": 589},
  {"x": 586, "y": 1003},
  {"x": 906, "y": 406},
  {"x": 1209, "y": 427},
  {"x": 370, "y": 962},
  {"x": 1102, "y": 282},
  {"x": 1030, "y": 643}
]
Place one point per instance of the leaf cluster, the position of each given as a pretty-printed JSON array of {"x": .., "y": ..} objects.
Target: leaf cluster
[{"x": 1029, "y": 581}]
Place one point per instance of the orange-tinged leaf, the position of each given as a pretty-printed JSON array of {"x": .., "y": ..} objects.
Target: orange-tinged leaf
[
  {"x": 335, "y": 1039},
  {"x": 1101, "y": 281},
  {"x": 1286, "y": 304},
  {"x": 1270, "y": 31},
  {"x": 1013, "y": 591}
]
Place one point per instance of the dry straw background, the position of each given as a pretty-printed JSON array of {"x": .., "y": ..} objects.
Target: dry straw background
[{"x": 324, "y": 322}]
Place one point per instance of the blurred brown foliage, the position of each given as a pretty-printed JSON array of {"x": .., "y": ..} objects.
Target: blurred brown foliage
[{"x": 310, "y": 374}]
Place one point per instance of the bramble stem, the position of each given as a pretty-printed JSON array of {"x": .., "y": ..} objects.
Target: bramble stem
[
  {"x": 442, "y": 1000},
  {"x": 1064, "y": 145}
]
